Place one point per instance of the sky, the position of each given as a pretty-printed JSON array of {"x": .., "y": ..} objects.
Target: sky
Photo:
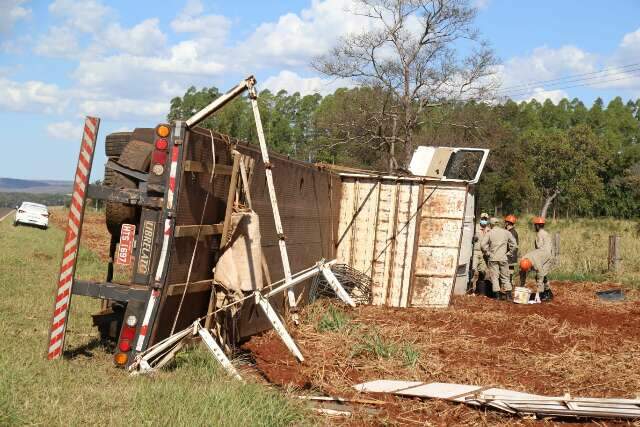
[{"x": 123, "y": 61}]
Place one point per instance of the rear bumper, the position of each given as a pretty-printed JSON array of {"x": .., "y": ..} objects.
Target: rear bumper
[{"x": 32, "y": 221}]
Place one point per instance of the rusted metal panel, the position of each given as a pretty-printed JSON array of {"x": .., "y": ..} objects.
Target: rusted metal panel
[
  {"x": 438, "y": 232},
  {"x": 378, "y": 221},
  {"x": 384, "y": 240},
  {"x": 439, "y": 240}
]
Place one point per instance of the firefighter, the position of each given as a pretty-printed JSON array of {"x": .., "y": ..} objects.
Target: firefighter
[
  {"x": 478, "y": 264},
  {"x": 541, "y": 260},
  {"x": 543, "y": 238},
  {"x": 497, "y": 246},
  {"x": 510, "y": 225}
]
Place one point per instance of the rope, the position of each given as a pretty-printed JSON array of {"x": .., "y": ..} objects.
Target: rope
[{"x": 195, "y": 247}]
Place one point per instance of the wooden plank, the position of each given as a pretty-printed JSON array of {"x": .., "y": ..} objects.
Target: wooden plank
[
  {"x": 192, "y": 230},
  {"x": 230, "y": 198},
  {"x": 198, "y": 167},
  {"x": 410, "y": 244},
  {"x": 178, "y": 288}
]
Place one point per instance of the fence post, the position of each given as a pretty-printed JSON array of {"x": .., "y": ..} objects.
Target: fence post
[
  {"x": 614, "y": 253},
  {"x": 556, "y": 245}
]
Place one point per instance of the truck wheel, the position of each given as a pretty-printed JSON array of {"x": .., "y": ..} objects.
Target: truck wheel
[
  {"x": 115, "y": 142},
  {"x": 108, "y": 175},
  {"x": 136, "y": 155}
]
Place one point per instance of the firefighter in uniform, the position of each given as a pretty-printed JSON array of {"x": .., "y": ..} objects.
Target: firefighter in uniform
[
  {"x": 497, "y": 246},
  {"x": 478, "y": 264},
  {"x": 539, "y": 260},
  {"x": 510, "y": 225}
]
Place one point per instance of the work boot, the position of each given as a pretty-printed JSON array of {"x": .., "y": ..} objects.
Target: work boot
[
  {"x": 547, "y": 295},
  {"x": 508, "y": 296},
  {"x": 501, "y": 296}
]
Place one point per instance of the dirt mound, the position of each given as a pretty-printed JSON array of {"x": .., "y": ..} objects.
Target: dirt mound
[{"x": 575, "y": 344}]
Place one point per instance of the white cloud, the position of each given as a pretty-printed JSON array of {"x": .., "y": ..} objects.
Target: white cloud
[
  {"x": 123, "y": 108},
  {"x": 58, "y": 42},
  {"x": 86, "y": 15},
  {"x": 143, "y": 38},
  {"x": 292, "y": 83},
  {"x": 296, "y": 38},
  {"x": 12, "y": 11},
  {"x": 191, "y": 20},
  {"x": 66, "y": 131},
  {"x": 541, "y": 95},
  {"x": 481, "y": 4},
  {"x": 31, "y": 96}
]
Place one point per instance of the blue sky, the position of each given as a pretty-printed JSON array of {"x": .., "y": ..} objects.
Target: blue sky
[{"x": 123, "y": 60}]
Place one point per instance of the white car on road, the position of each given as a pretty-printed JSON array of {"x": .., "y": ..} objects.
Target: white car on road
[{"x": 32, "y": 214}]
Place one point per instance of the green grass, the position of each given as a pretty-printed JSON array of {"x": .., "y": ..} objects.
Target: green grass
[
  {"x": 86, "y": 389},
  {"x": 584, "y": 244},
  {"x": 334, "y": 319}
]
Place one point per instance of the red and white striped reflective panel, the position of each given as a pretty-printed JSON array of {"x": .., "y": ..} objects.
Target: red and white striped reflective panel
[
  {"x": 144, "y": 328},
  {"x": 72, "y": 238},
  {"x": 172, "y": 177}
]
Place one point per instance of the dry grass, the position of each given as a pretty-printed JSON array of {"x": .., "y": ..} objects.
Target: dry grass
[{"x": 588, "y": 349}]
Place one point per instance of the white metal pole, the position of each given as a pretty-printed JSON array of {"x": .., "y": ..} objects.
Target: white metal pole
[{"x": 272, "y": 194}]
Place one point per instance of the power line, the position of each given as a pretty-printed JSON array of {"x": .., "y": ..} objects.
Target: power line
[
  {"x": 562, "y": 80},
  {"x": 607, "y": 80}
]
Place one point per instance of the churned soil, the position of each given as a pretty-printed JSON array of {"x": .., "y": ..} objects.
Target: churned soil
[
  {"x": 576, "y": 344},
  {"x": 95, "y": 235}
]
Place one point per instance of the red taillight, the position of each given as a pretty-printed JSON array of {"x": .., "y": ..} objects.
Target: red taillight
[
  {"x": 159, "y": 157},
  {"x": 162, "y": 144},
  {"x": 125, "y": 345},
  {"x": 128, "y": 332}
]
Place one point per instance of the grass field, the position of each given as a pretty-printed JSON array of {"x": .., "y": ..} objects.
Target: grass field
[
  {"x": 584, "y": 245},
  {"x": 85, "y": 388}
]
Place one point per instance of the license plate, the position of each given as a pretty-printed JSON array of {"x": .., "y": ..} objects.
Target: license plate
[{"x": 127, "y": 235}]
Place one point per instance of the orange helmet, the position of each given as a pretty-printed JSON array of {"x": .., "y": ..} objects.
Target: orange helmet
[
  {"x": 525, "y": 264},
  {"x": 538, "y": 220},
  {"x": 510, "y": 218}
]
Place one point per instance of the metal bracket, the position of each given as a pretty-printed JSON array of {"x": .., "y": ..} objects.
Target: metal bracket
[
  {"x": 217, "y": 352},
  {"x": 333, "y": 281},
  {"x": 140, "y": 176},
  {"x": 129, "y": 196},
  {"x": 278, "y": 326}
]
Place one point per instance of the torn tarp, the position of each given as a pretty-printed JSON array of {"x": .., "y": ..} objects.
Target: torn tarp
[{"x": 239, "y": 267}]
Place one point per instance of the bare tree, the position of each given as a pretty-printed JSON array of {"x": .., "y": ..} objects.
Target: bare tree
[{"x": 410, "y": 50}]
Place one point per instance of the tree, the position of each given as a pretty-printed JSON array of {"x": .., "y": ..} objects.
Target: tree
[
  {"x": 410, "y": 54},
  {"x": 567, "y": 164}
]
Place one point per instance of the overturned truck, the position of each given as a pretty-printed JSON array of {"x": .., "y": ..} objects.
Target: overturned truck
[{"x": 172, "y": 193}]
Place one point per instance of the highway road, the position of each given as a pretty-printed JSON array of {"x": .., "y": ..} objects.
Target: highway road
[{"x": 5, "y": 213}]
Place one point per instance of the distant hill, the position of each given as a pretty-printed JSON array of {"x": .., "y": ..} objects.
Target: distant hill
[{"x": 13, "y": 185}]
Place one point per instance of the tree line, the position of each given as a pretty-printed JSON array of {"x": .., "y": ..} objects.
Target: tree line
[{"x": 567, "y": 158}]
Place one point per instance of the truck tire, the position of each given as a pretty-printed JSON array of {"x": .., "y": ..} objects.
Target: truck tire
[
  {"x": 115, "y": 142},
  {"x": 136, "y": 155},
  {"x": 108, "y": 175}
]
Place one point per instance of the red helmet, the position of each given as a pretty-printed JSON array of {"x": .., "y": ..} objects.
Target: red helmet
[
  {"x": 525, "y": 264},
  {"x": 510, "y": 218},
  {"x": 538, "y": 220}
]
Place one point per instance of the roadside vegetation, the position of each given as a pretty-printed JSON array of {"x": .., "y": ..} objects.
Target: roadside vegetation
[
  {"x": 85, "y": 388},
  {"x": 584, "y": 245}
]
